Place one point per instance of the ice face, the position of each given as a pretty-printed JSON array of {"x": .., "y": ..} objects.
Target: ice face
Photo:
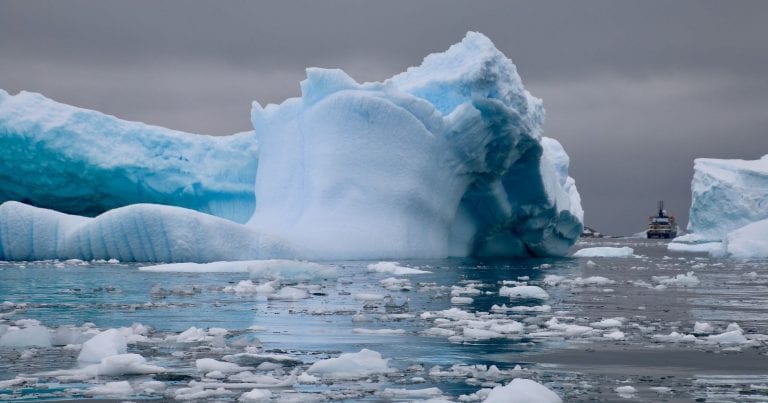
[
  {"x": 84, "y": 162},
  {"x": 727, "y": 194},
  {"x": 136, "y": 233},
  {"x": 445, "y": 159}
]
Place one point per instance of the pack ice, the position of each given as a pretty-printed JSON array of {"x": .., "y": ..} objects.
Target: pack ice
[
  {"x": 444, "y": 159},
  {"x": 729, "y": 208}
]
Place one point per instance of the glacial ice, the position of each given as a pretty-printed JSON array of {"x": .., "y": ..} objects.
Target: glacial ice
[
  {"x": 729, "y": 205},
  {"x": 445, "y": 159},
  {"x": 84, "y": 162},
  {"x": 726, "y": 195}
]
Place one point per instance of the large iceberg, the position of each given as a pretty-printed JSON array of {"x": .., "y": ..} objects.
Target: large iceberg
[
  {"x": 84, "y": 162},
  {"x": 445, "y": 159},
  {"x": 728, "y": 196}
]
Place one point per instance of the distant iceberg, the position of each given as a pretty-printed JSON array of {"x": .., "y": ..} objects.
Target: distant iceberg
[
  {"x": 84, "y": 162},
  {"x": 729, "y": 205},
  {"x": 445, "y": 159}
]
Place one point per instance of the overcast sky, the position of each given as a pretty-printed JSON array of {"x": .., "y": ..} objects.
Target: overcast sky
[{"x": 635, "y": 90}]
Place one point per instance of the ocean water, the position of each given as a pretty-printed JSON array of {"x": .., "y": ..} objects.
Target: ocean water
[{"x": 559, "y": 341}]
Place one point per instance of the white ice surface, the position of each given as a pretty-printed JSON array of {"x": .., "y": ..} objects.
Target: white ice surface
[
  {"x": 605, "y": 251},
  {"x": 351, "y": 365},
  {"x": 522, "y": 391}
]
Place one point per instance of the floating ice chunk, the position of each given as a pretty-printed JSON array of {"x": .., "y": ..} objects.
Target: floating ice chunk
[
  {"x": 608, "y": 323},
  {"x": 524, "y": 292},
  {"x": 394, "y": 268},
  {"x": 703, "y": 328},
  {"x": 729, "y": 337},
  {"x": 246, "y": 287},
  {"x": 626, "y": 392},
  {"x": 662, "y": 390},
  {"x": 688, "y": 279},
  {"x": 255, "y": 395},
  {"x": 306, "y": 378},
  {"x": 107, "y": 343},
  {"x": 522, "y": 391},
  {"x": 351, "y": 365},
  {"x": 33, "y": 336},
  {"x": 290, "y": 294},
  {"x": 192, "y": 335},
  {"x": 396, "y": 284},
  {"x": 605, "y": 251},
  {"x": 114, "y": 365},
  {"x": 614, "y": 335},
  {"x": 198, "y": 392},
  {"x": 675, "y": 337},
  {"x": 112, "y": 389},
  {"x": 706, "y": 247},
  {"x": 462, "y": 300},
  {"x": 209, "y": 364}
]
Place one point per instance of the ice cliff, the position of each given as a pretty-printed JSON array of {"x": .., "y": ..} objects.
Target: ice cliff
[
  {"x": 84, "y": 162},
  {"x": 729, "y": 200},
  {"x": 445, "y": 159}
]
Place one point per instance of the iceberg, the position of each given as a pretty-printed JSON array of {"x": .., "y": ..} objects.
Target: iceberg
[
  {"x": 729, "y": 208},
  {"x": 726, "y": 195},
  {"x": 444, "y": 159},
  {"x": 84, "y": 162}
]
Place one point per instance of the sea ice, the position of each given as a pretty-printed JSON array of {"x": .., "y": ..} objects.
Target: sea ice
[
  {"x": 524, "y": 292},
  {"x": 32, "y": 336},
  {"x": 394, "y": 268},
  {"x": 107, "y": 343},
  {"x": 522, "y": 391},
  {"x": 351, "y": 365},
  {"x": 605, "y": 251},
  {"x": 111, "y": 389}
]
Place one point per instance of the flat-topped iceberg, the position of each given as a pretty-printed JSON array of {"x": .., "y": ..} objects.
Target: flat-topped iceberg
[
  {"x": 445, "y": 159},
  {"x": 79, "y": 161},
  {"x": 729, "y": 204}
]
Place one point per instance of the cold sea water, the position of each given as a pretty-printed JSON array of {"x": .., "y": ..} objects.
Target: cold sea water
[{"x": 605, "y": 329}]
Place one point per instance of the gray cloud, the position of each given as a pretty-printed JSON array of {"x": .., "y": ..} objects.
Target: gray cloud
[{"x": 634, "y": 89}]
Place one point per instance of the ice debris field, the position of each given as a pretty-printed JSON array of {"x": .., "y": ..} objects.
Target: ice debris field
[
  {"x": 536, "y": 330},
  {"x": 444, "y": 159}
]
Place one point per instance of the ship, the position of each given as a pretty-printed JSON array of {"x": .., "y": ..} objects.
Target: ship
[{"x": 661, "y": 225}]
